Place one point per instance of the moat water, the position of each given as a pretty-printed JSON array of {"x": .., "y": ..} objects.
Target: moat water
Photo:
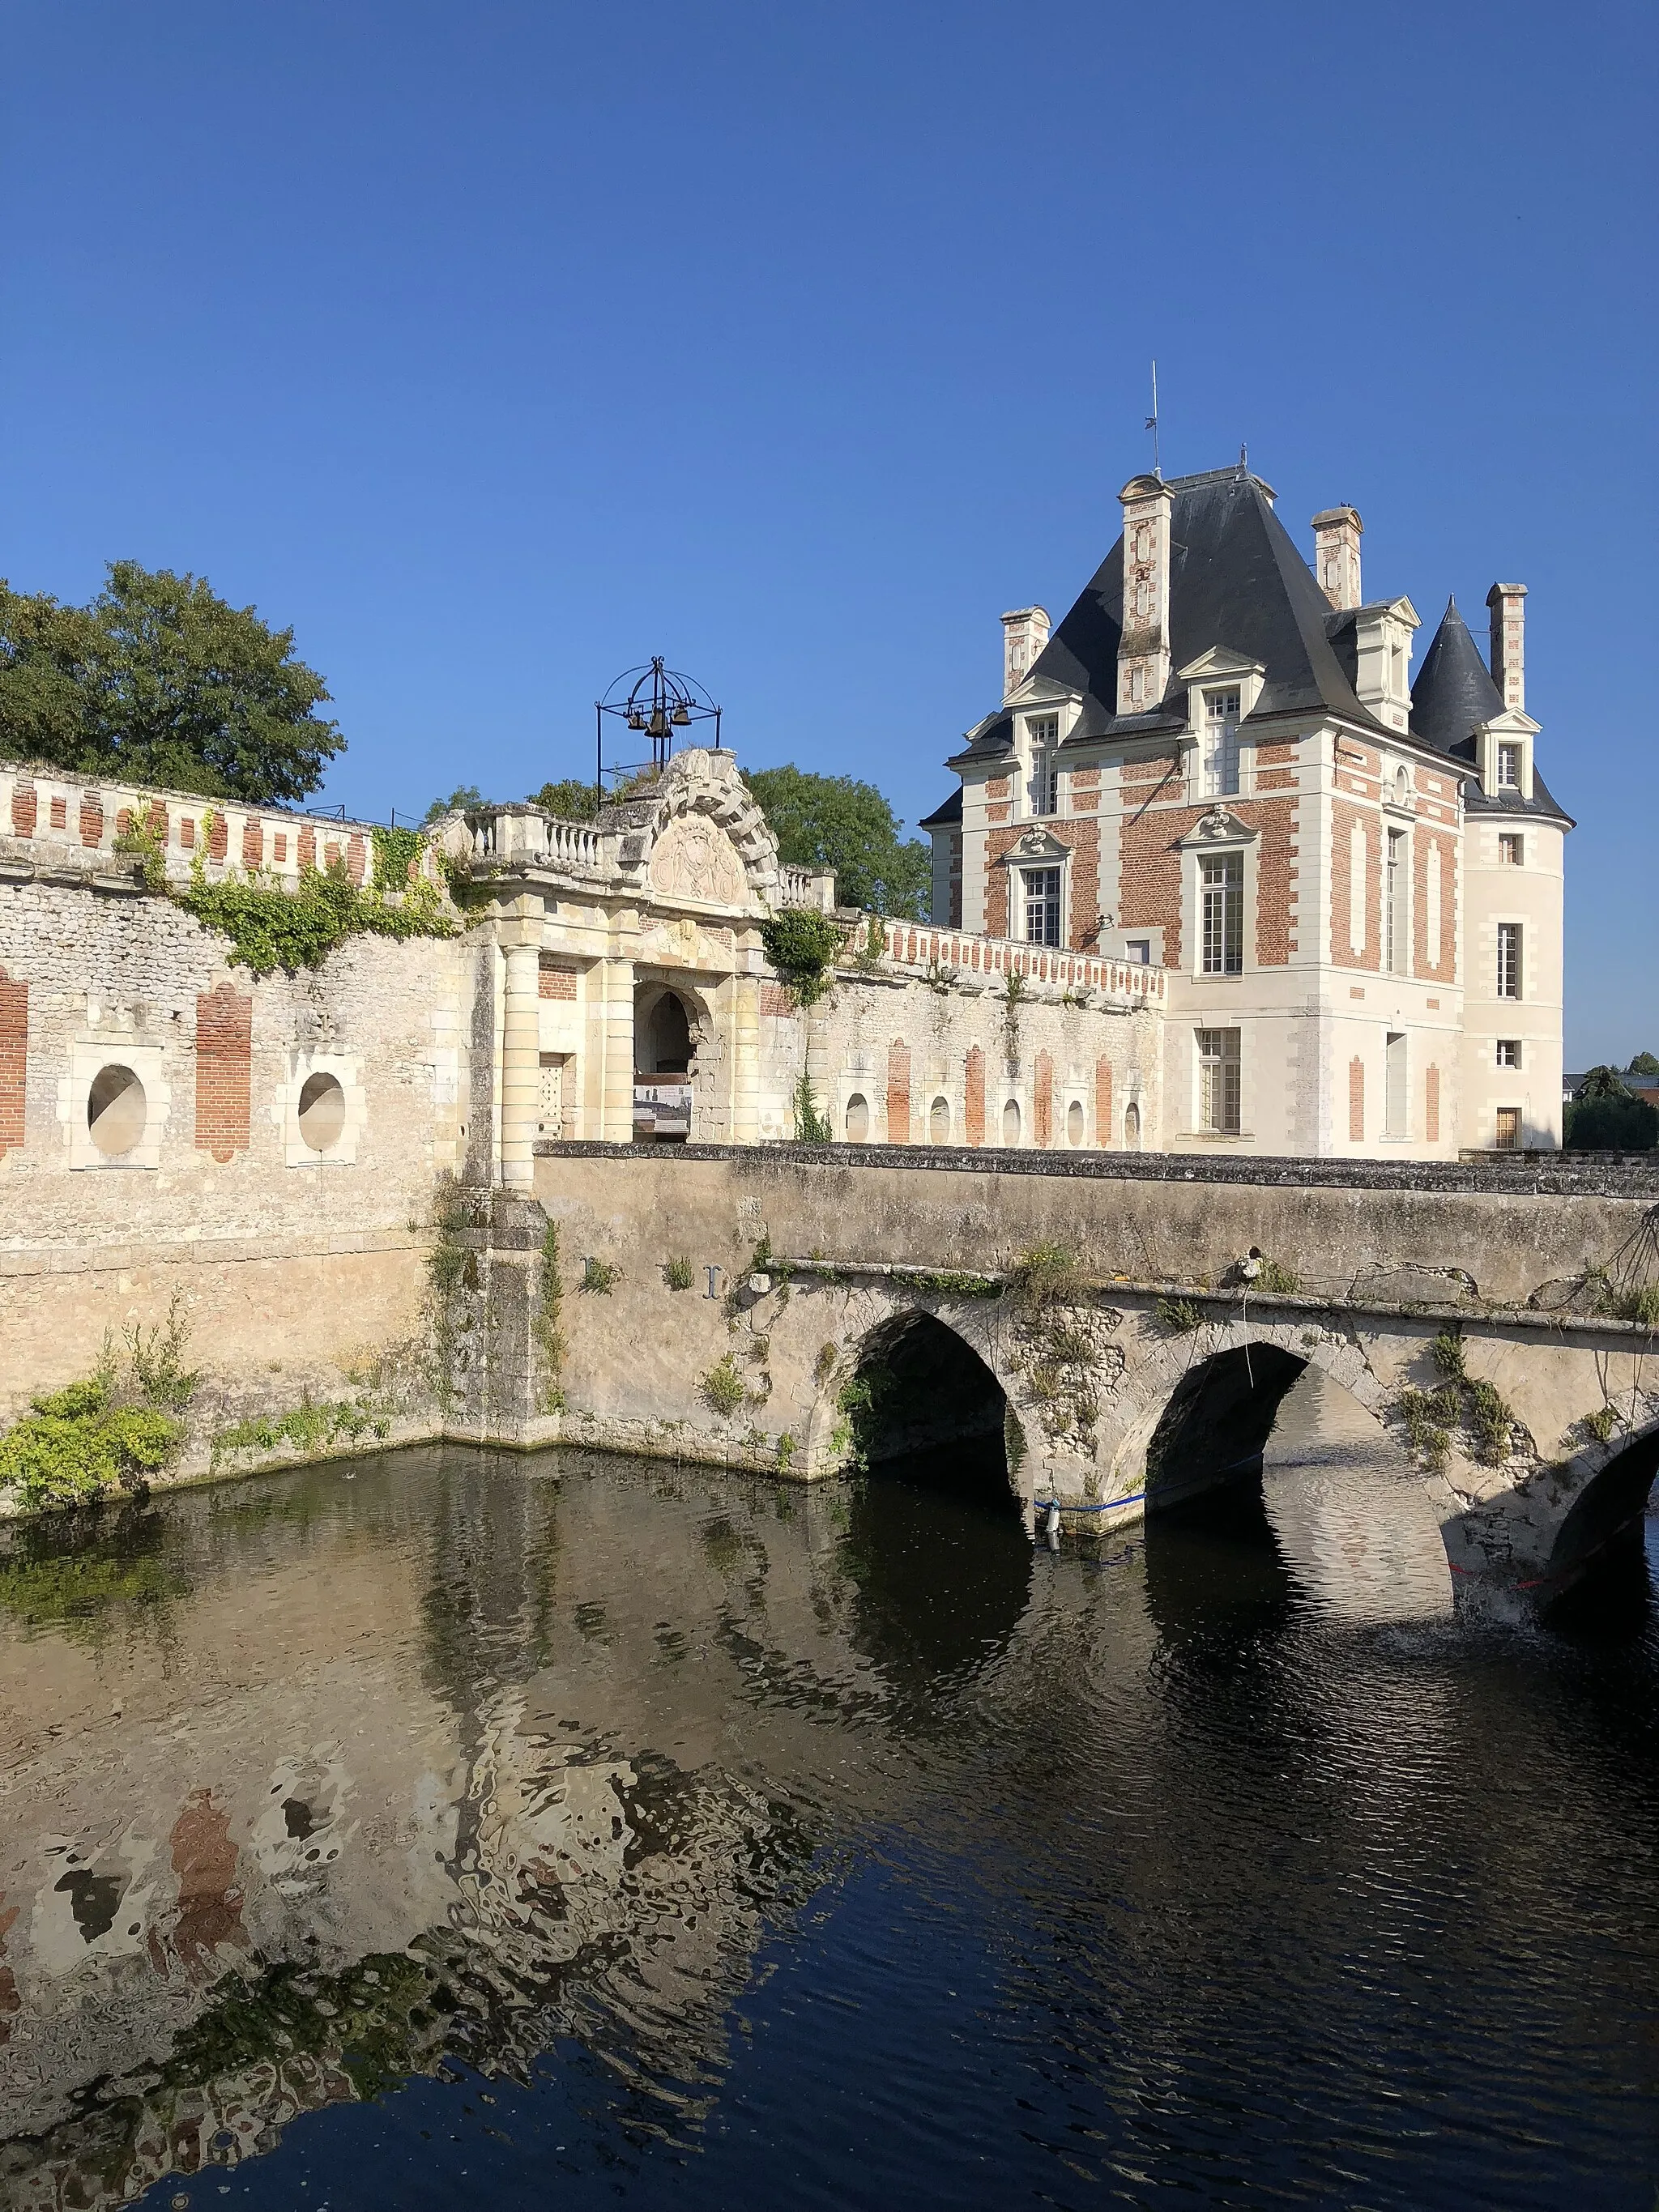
[{"x": 448, "y": 1829}]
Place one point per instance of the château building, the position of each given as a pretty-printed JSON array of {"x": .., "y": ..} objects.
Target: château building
[{"x": 1219, "y": 765}]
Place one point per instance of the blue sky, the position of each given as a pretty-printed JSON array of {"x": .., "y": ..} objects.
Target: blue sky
[{"x": 497, "y": 346}]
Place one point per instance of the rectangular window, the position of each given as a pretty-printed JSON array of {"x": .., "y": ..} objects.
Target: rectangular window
[
  {"x": 1042, "y": 738},
  {"x": 1508, "y": 1129},
  {"x": 1139, "y": 951},
  {"x": 1218, "y": 1081},
  {"x": 1394, "y": 900},
  {"x": 1508, "y": 768},
  {"x": 1042, "y": 906},
  {"x": 1509, "y": 959},
  {"x": 1508, "y": 851},
  {"x": 1221, "y": 893},
  {"x": 1220, "y": 744},
  {"x": 1394, "y": 1091},
  {"x": 1509, "y": 1052}
]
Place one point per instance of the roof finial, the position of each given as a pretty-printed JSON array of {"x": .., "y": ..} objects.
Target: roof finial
[
  {"x": 1151, "y": 424},
  {"x": 1243, "y": 460}
]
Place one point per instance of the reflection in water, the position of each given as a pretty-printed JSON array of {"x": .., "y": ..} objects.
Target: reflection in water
[{"x": 577, "y": 1827}]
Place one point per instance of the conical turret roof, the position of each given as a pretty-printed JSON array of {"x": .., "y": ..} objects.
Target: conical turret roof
[{"x": 1454, "y": 691}]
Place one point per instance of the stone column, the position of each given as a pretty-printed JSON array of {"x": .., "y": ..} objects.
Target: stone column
[{"x": 522, "y": 1059}]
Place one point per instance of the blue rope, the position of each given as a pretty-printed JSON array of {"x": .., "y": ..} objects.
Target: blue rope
[{"x": 1042, "y": 1505}]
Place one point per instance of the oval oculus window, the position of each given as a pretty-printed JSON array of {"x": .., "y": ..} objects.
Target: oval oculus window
[
  {"x": 322, "y": 1112},
  {"x": 116, "y": 1111}
]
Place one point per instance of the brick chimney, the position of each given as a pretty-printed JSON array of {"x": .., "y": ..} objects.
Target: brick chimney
[
  {"x": 1509, "y": 643},
  {"x": 1336, "y": 555},
  {"x": 1143, "y": 653},
  {"x": 1024, "y": 633}
]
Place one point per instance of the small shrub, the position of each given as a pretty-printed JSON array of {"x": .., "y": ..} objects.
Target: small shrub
[
  {"x": 1446, "y": 1353},
  {"x": 1179, "y": 1317},
  {"x": 155, "y": 1360},
  {"x": 785, "y": 1449},
  {"x": 799, "y": 945},
  {"x": 550, "y": 1339},
  {"x": 825, "y": 1365},
  {"x": 600, "y": 1277},
  {"x": 811, "y": 1127},
  {"x": 1429, "y": 1432},
  {"x": 1046, "y": 1275},
  {"x": 1602, "y": 1424},
  {"x": 723, "y": 1390},
  {"x": 1491, "y": 1420},
  {"x": 1639, "y": 1305},
  {"x": 1277, "y": 1281},
  {"x": 677, "y": 1273}
]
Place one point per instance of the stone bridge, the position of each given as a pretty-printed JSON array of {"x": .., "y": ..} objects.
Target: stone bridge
[{"x": 1082, "y": 1321}]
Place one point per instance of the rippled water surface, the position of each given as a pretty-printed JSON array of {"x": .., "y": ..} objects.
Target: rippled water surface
[{"x": 576, "y": 1831}]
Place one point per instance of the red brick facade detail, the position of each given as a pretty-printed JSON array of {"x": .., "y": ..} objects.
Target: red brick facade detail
[
  {"x": 1103, "y": 1124},
  {"x": 1275, "y": 885},
  {"x": 1356, "y": 1100},
  {"x": 355, "y": 861},
  {"x": 124, "y": 822},
  {"x": 280, "y": 843},
  {"x": 774, "y": 999},
  {"x": 224, "y": 1071},
  {"x": 1043, "y": 1101},
  {"x": 306, "y": 849},
  {"x": 1431, "y": 1105},
  {"x": 1084, "y": 918},
  {"x": 57, "y": 813},
  {"x": 553, "y": 982},
  {"x": 973, "y": 1096},
  {"x": 1343, "y": 952},
  {"x": 218, "y": 835},
  {"x": 898, "y": 1092},
  {"x": 187, "y": 833},
  {"x": 254, "y": 842},
  {"x": 1437, "y": 963},
  {"x": 14, "y": 1058},
  {"x": 24, "y": 809},
  {"x": 158, "y": 820},
  {"x": 92, "y": 819}
]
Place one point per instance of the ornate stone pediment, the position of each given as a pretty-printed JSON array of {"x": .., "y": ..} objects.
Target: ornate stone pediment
[
  {"x": 693, "y": 859},
  {"x": 701, "y": 839},
  {"x": 1038, "y": 849},
  {"x": 1218, "y": 827}
]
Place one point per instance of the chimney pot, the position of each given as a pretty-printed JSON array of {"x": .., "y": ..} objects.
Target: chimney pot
[
  {"x": 1509, "y": 643},
  {"x": 1337, "y": 533},
  {"x": 1024, "y": 633},
  {"x": 1143, "y": 652}
]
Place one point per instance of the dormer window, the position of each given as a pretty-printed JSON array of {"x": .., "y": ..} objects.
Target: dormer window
[
  {"x": 1220, "y": 764},
  {"x": 1508, "y": 768},
  {"x": 1043, "y": 742}
]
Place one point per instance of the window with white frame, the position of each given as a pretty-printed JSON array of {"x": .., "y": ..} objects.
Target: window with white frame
[
  {"x": 1510, "y": 850},
  {"x": 1508, "y": 768},
  {"x": 1043, "y": 740},
  {"x": 1220, "y": 744},
  {"x": 1041, "y": 906},
  {"x": 1218, "y": 1081},
  {"x": 1509, "y": 1052},
  {"x": 1221, "y": 918},
  {"x": 1394, "y": 904},
  {"x": 1509, "y": 959},
  {"x": 1395, "y": 1092}
]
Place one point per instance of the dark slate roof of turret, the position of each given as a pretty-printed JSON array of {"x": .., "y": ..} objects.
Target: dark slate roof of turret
[
  {"x": 945, "y": 816},
  {"x": 1453, "y": 696},
  {"x": 1236, "y": 581},
  {"x": 1454, "y": 690}
]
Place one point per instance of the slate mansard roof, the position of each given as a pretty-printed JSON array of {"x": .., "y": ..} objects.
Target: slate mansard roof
[
  {"x": 1453, "y": 696},
  {"x": 1235, "y": 580}
]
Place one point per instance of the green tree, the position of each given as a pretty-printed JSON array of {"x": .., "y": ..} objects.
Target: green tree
[
  {"x": 836, "y": 821},
  {"x": 1605, "y": 1116},
  {"x": 465, "y": 797},
  {"x": 570, "y": 799},
  {"x": 1644, "y": 1064},
  {"x": 163, "y": 681}
]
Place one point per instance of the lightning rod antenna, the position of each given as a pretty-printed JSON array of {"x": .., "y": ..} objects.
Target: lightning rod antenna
[{"x": 1151, "y": 424}]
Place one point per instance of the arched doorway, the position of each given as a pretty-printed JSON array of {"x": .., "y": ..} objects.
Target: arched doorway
[{"x": 664, "y": 1049}]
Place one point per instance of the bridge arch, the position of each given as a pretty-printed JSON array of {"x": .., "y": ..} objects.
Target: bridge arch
[
  {"x": 1600, "y": 1537},
  {"x": 909, "y": 1382}
]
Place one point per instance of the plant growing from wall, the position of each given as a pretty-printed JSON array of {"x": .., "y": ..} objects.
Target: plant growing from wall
[
  {"x": 722, "y": 1389},
  {"x": 1046, "y": 1275},
  {"x": 1600, "y": 1425},
  {"x": 812, "y": 1127},
  {"x": 1178, "y": 1316},
  {"x": 873, "y": 947},
  {"x": 677, "y": 1273},
  {"x": 309, "y": 1428},
  {"x": 1277, "y": 1281},
  {"x": 600, "y": 1277},
  {"x": 111, "y": 1430},
  {"x": 799, "y": 945},
  {"x": 544, "y": 1325},
  {"x": 451, "y": 1270},
  {"x": 1461, "y": 1402}
]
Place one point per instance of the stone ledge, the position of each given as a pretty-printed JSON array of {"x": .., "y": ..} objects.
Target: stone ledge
[{"x": 1562, "y": 1177}]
